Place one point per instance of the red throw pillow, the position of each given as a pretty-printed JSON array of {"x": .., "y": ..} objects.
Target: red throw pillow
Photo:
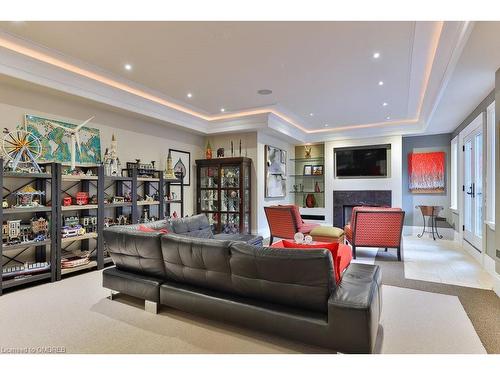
[
  {"x": 143, "y": 228},
  {"x": 341, "y": 255}
]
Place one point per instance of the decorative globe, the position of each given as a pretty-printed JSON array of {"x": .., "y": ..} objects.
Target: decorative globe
[
  {"x": 298, "y": 237},
  {"x": 308, "y": 239}
]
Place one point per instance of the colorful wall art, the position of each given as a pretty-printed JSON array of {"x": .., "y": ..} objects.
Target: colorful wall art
[{"x": 426, "y": 172}]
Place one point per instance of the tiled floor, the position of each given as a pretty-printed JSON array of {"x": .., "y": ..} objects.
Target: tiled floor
[{"x": 443, "y": 261}]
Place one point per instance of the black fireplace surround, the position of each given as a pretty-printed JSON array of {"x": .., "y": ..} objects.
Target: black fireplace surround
[{"x": 345, "y": 200}]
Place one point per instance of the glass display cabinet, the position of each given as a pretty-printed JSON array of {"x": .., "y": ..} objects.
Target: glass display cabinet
[{"x": 223, "y": 191}]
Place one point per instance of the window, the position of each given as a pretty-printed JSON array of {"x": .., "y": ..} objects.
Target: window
[
  {"x": 454, "y": 173},
  {"x": 490, "y": 164}
]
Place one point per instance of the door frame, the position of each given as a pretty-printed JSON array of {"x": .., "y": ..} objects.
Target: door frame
[{"x": 478, "y": 123}]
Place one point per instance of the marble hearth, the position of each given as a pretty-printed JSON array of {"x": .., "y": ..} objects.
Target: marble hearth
[{"x": 345, "y": 200}]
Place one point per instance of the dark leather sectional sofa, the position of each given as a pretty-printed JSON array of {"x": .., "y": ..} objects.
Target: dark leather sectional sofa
[{"x": 289, "y": 292}]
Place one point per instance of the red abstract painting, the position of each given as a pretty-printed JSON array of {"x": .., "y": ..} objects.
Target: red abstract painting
[{"x": 426, "y": 172}]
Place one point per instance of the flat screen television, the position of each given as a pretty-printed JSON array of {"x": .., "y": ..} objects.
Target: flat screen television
[{"x": 359, "y": 162}]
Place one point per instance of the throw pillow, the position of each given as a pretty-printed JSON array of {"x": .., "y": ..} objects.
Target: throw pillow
[{"x": 143, "y": 228}]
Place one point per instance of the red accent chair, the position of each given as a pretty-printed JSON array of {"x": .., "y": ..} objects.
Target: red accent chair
[
  {"x": 375, "y": 227},
  {"x": 284, "y": 221}
]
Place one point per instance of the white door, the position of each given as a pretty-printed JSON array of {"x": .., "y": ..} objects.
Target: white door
[{"x": 473, "y": 187}]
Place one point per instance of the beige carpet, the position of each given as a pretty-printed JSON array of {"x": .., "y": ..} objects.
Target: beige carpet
[{"x": 76, "y": 314}]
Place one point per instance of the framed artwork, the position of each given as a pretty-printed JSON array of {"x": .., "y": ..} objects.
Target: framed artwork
[
  {"x": 317, "y": 170},
  {"x": 275, "y": 170},
  {"x": 56, "y": 142},
  {"x": 308, "y": 170},
  {"x": 181, "y": 161},
  {"x": 426, "y": 172}
]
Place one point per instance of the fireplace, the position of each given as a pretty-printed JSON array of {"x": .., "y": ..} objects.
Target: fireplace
[{"x": 345, "y": 200}]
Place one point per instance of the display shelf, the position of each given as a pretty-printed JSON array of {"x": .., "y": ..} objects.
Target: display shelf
[
  {"x": 319, "y": 176},
  {"x": 306, "y": 192},
  {"x": 318, "y": 158},
  {"x": 146, "y": 203},
  {"x": 118, "y": 178},
  {"x": 91, "y": 264},
  {"x": 25, "y": 244},
  {"x": 85, "y": 236},
  {"x": 173, "y": 201},
  {"x": 79, "y": 178},
  {"x": 20, "y": 210},
  {"x": 114, "y": 205},
  {"x": 76, "y": 207},
  {"x": 6, "y": 284},
  {"x": 148, "y": 179},
  {"x": 27, "y": 175}
]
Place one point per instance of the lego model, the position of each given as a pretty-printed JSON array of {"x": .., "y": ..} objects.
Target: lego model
[
  {"x": 143, "y": 169},
  {"x": 21, "y": 149},
  {"x": 67, "y": 201},
  {"x": 5, "y": 204},
  {"x": 112, "y": 165},
  {"x": 89, "y": 223},
  {"x": 72, "y": 227},
  {"x": 27, "y": 269},
  {"x": 28, "y": 197},
  {"x": 82, "y": 198},
  {"x": 118, "y": 200}
]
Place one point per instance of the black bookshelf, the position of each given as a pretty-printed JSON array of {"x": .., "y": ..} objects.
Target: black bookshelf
[{"x": 10, "y": 253}]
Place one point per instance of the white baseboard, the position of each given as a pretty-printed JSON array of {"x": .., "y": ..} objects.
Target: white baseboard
[
  {"x": 447, "y": 233},
  {"x": 489, "y": 266}
]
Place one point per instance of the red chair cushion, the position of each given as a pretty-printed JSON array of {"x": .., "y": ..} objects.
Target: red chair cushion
[
  {"x": 296, "y": 213},
  {"x": 341, "y": 254},
  {"x": 143, "y": 228}
]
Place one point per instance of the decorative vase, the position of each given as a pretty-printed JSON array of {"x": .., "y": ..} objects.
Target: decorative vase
[
  {"x": 316, "y": 187},
  {"x": 310, "y": 200},
  {"x": 208, "y": 151}
]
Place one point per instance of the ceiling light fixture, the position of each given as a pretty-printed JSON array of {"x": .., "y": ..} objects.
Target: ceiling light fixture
[
  {"x": 326, "y": 125},
  {"x": 385, "y": 104},
  {"x": 128, "y": 67},
  {"x": 376, "y": 55},
  {"x": 388, "y": 118},
  {"x": 222, "y": 110},
  {"x": 381, "y": 83},
  {"x": 189, "y": 95},
  {"x": 311, "y": 114}
]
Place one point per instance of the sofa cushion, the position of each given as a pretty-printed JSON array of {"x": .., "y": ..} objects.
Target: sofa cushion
[
  {"x": 143, "y": 228},
  {"x": 197, "y": 261},
  {"x": 135, "y": 251},
  {"x": 193, "y": 226},
  {"x": 299, "y": 278},
  {"x": 341, "y": 254},
  {"x": 325, "y": 231}
]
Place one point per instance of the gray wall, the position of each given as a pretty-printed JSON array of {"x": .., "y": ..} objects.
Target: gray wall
[{"x": 426, "y": 143}]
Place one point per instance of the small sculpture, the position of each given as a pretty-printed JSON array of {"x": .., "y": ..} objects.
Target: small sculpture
[
  {"x": 208, "y": 151},
  {"x": 220, "y": 152},
  {"x": 308, "y": 240},
  {"x": 169, "y": 171},
  {"x": 112, "y": 165},
  {"x": 298, "y": 237},
  {"x": 307, "y": 151}
]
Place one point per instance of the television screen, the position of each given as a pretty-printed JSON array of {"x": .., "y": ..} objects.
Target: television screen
[{"x": 370, "y": 161}]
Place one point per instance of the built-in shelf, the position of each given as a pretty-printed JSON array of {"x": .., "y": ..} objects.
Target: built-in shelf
[
  {"x": 306, "y": 192},
  {"x": 121, "y": 204},
  {"x": 75, "y": 207},
  {"x": 118, "y": 178},
  {"x": 307, "y": 176},
  {"x": 148, "y": 179},
  {"x": 26, "y": 244},
  {"x": 91, "y": 264},
  {"x": 320, "y": 158},
  {"x": 174, "y": 201},
  {"x": 85, "y": 236}
]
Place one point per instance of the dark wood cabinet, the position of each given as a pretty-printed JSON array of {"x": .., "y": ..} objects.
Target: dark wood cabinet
[{"x": 223, "y": 193}]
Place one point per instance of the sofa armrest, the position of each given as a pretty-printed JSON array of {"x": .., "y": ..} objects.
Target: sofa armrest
[{"x": 354, "y": 308}]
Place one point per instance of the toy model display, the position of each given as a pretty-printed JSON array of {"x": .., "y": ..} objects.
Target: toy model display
[
  {"x": 28, "y": 197},
  {"x": 72, "y": 227},
  {"x": 120, "y": 220},
  {"x": 26, "y": 269},
  {"x": 5, "y": 204},
  {"x": 21, "y": 150},
  {"x": 89, "y": 223},
  {"x": 74, "y": 261},
  {"x": 143, "y": 169},
  {"x": 67, "y": 201},
  {"x": 118, "y": 200},
  {"x": 82, "y": 198},
  {"x": 112, "y": 165},
  {"x": 17, "y": 232}
]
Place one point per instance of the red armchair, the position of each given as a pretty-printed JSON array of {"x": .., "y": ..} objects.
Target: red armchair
[
  {"x": 284, "y": 221},
  {"x": 375, "y": 227}
]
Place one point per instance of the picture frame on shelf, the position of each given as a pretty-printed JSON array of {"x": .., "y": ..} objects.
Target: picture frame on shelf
[
  {"x": 181, "y": 161},
  {"x": 317, "y": 170},
  {"x": 308, "y": 170}
]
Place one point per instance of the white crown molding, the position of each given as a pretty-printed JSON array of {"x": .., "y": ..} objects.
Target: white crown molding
[{"x": 33, "y": 63}]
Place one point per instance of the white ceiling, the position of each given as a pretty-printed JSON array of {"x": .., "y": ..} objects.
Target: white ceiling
[
  {"x": 324, "y": 68},
  {"x": 472, "y": 80}
]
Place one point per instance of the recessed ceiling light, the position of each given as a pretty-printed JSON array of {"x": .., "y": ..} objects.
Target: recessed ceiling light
[
  {"x": 376, "y": 55},
  {"x": 388, "y": 118},
  {"x": 311, "y": 114},
  {"x": 381, "y": 83},
  {"x": 128, "y": 67},
  {"x": 265, "y": 92},
  {"x": 222, "y": 110},
  {"x": 326, "y": 125},
  {"x": 189, "y": 95},
  {"x": 385, "y": 104}
]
